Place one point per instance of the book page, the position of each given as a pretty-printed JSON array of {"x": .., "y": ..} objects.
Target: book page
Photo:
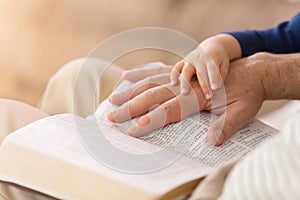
[
  {"x": 58, "y": 137},
  {"x": 189, "y": 136},
  {"x": 180, "y": 150}
]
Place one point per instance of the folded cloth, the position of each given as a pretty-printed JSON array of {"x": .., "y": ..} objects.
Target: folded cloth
[{"x": 211, "y": 187}]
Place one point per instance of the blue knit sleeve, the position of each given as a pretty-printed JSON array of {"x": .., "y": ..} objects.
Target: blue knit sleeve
[{"x": 285, "y": 38}]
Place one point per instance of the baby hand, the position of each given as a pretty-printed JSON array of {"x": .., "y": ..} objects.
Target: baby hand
[{"x": 209, "y": 61}]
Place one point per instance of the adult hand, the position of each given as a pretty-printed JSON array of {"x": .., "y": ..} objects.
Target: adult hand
[
  {"x": 154, "y": 93},
  {"x": 250, "y": 81}
]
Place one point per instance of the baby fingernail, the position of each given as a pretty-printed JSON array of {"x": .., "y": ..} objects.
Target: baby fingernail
[
  {"x": 214, "y": 86},
  {"x": 207, "y": 96},
  {"x": 184, "y": 91}
]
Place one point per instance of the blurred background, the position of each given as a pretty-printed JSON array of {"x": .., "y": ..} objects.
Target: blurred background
[{"x": 38, "y": 36}]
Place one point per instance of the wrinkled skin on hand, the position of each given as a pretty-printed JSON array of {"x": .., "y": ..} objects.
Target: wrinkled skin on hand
[{"x": 244, "y": 88}]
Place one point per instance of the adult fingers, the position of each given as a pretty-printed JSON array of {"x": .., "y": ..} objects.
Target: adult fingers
[
  {"x": 171, "y": 111},
  {"x": 176, "y": 72},
  {"x": 186, "y": 75},
  {"x": 143, "y": 102},
  {"x": 235, "y": 117},
  {"x": 137, "y": 88},
  {"x": 150, "y": 69},
  {"x": 155, "y": 119}
]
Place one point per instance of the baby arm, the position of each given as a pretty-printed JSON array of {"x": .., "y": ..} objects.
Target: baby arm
[
  {"x": 208, "y": 61},
  {"x": 211, "y": 58}
]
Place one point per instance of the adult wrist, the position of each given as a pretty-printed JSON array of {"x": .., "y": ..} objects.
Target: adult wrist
[{"x": 280, "y": 76}]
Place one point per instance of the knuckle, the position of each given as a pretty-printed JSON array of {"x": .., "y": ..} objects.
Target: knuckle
[
  {"x": 149, "y": 94},
  {"x": 174, "y": 73},
  {"x": 188, "y": 69},
  {"x": 160, "y": 69},
  {"x": 177, "y": 69},
  {"x": 199, "y": 66},
  {"x": 168, "y": 111},
  {"x": 150, "y": 80},
  {"x": 193, "y": 55},
  {"x": 171, "y": 115},
  {"x": 212, "y": 54},
  {"x": 166, "y": 108},
  {"x": 178, "y": 63}
]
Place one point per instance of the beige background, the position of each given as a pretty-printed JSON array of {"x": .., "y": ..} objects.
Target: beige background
[{"x": 39, "y": 36}]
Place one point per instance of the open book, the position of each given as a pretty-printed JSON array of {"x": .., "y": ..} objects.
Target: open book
[{"x": 69, "y": 157}]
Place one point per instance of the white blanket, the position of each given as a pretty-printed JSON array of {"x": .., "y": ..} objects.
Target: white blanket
[{"x": 273, "y": 170}]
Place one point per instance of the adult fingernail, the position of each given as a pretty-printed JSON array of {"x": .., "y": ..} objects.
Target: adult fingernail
[
  {"x": 110, "y": 117},
  {"x": 220, "y": 138},
  {"x": 110, "y": 98},
  {"x": 132, "y": 128},
  {"x": 143, "y": 121}
]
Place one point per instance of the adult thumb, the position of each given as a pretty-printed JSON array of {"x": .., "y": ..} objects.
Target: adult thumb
[{"x": 236, "y": 115}]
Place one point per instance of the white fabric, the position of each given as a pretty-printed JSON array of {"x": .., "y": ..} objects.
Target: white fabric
[
  {"x": 280, "y": 115},
  {"x": 79, "y": 86},
  {"x": 273, "y": 170}
]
